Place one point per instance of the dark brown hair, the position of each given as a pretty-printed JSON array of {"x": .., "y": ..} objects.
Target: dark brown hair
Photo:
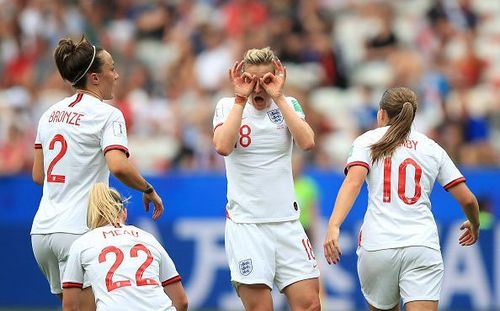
[
  {"x": 400, "y": 103},
  {"x": 74, "y": 58}
]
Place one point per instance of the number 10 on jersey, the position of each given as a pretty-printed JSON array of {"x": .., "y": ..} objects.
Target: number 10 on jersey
[{"x": 402, "y": 172}]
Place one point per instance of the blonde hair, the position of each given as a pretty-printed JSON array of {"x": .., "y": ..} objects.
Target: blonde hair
[
  {"x": 105, "y": 206},
  {"x": 258, "y": 57},
  {"x": 400, "y": 103}
]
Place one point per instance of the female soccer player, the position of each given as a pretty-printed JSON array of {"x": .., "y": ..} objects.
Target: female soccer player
[
  {"x": 265, "y": 242},
  {"x": 127, "y": 267},
  {"x": 79, "y": 141},
  {"x": 398, "y": 252}
]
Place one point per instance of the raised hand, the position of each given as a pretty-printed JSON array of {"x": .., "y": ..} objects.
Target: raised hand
[
  {"x": 331, "y": 245},
  {"x": 273, "y": 83},
  {"x": 470, "y": 235},
  {"x": 243, "y": 83}
]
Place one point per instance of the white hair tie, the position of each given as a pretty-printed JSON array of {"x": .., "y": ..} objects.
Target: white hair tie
[{"x": 86, "y": 70}]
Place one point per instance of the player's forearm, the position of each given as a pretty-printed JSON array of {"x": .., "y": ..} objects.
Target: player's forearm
[
  {"x": 226, "y": 135},
  {"x": 301, "y": 131},
  {"x": 345, "y": 199},
  {"x": 471, "y": 211},
  {"x": 130, "y": 176}
]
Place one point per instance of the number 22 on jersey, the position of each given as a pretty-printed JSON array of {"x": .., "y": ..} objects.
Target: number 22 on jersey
[
  {"x": 119, "y": 257},
  {"x": 402, "y": 176}
]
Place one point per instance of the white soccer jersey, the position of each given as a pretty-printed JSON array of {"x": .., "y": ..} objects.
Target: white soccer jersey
[
  {"x": 259, "y": 171},
  {"x": 74, "y": 135},
  {"x": 399, "y": 210},
  {"x": 127, "y": 269}
]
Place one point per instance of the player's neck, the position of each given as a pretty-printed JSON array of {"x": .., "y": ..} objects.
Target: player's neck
[{"x": 91, "y": 93}]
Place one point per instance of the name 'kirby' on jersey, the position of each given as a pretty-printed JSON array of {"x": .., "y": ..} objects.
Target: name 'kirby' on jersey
[
  {"x": 74, "y": 135},
  {"x": 258, "y": 170},
  {"x": 399, "y": 209}
]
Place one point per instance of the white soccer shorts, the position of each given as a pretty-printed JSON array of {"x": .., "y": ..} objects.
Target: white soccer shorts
[
  {"x": 51, "y": 253},
  {"x": 268, "y": 253},
  {"x": 409, "y": 273}
]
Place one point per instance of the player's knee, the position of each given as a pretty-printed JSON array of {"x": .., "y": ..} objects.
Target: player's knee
[{"x": 314, "y": 305}]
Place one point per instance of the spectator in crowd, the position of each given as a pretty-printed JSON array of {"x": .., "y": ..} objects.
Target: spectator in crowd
[{"x": 165, "y": 51}]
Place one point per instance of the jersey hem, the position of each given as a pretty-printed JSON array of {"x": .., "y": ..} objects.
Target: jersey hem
[
  {"x": 372, "y": 249},
  {"x": 117, "y": 147},
  {"x": 260, "y": 221}
]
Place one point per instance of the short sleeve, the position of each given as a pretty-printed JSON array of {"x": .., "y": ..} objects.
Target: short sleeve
[
  {"x": 448, "y": 175},
  {"x": 73, "y": 273},
  {"x": 221, "y": 113},
  {"x": 168, "y": 272},
  {"x": 115, "y": 133},
  {"x": 294, "y": 103},
  {"x": 359, "y": 154}
]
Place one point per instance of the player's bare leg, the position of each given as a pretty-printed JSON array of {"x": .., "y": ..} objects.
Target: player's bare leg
[
  {"x": 256, "y": 297},
  {"x": 421, "y": 305},
  {"x": 87, "y": 301},
  {"x": 303, "y": 295}
]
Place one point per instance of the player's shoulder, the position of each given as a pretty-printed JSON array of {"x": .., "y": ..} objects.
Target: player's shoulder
[
  {"x": 226, "y": 102},
  {"x": 426, "y": 141},
  {"x": 371, "y": 136}
]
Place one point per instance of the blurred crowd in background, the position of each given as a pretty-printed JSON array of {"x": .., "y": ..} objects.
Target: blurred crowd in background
[{"x": 173, "y": 58}]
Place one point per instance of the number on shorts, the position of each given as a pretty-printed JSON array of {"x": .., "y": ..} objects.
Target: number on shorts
[
  {"x": 64, "y": 147},
  {"x": 402, "y": 181},
  {"x": 308, "y": 248},
  {"x": 139, "y": 281}
]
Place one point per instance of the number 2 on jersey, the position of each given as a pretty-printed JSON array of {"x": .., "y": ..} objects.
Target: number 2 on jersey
[
  {"x": 139, "y": 280},
  {"x": 64, "y": 147},
  {"x": 402, "y": 181}
]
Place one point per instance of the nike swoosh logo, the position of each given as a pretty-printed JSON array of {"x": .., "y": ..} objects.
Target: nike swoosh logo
[{"x": 314, "y": 266}]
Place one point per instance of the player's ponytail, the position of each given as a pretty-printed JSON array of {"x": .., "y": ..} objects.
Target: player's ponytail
[
  {"x": 105, "y": 206},
  {"x": 401, "y": 105}
]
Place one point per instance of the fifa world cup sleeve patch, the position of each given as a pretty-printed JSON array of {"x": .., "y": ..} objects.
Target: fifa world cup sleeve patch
[
  {"x": 296, "y": 105},
  {"x": 119, "y": 128}
]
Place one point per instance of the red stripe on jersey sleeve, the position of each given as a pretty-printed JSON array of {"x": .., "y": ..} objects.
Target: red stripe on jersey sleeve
[
  {"x": 217, "y": 126},
  {"x": 117, "y": 147},
  {"x": 77, "y": 100},
  {"x": 72, "y": 285},
  {"x": 356, "y": 163},
  {"x": 454, "y": 183},
  {"x": 171, "y": 280},
  {"x": 38, "y": 146}
]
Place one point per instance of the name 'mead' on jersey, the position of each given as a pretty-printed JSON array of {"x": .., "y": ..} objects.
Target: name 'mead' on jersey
[{"x": 74, "y": 134}]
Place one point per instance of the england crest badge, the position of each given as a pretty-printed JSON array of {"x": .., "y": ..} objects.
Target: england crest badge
[
  {"x": 275, "y": 116},
  {"x": 246, "y": 267}
]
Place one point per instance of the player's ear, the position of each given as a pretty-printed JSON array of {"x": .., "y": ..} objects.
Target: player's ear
[
  {"x": 94, "y": 78},
  {"x": 124, "y": 215}
]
